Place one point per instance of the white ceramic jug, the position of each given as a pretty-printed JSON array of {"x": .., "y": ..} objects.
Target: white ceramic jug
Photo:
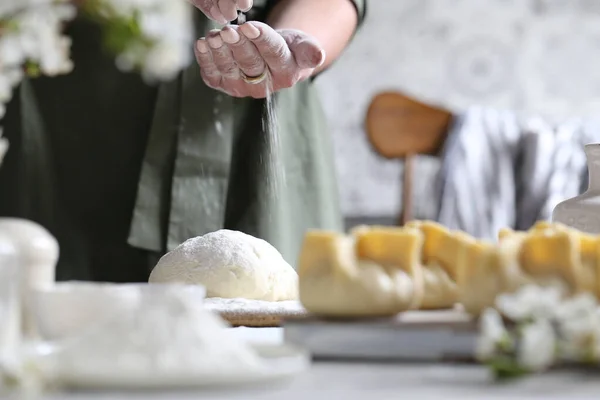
[
  {"x": 36, "y": 252},
  {"x": 583, "y": 212},
  {"x": 10, "y": 301}
]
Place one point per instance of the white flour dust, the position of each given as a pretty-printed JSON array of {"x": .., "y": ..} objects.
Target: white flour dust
[
  {"x": 276, "y": 171},
  {"x": 166, "y": 337}
]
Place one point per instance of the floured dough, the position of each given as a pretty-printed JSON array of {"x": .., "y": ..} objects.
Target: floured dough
[
  {"x": 374, "y": 272},
  {"x": 230, "y": 264}
]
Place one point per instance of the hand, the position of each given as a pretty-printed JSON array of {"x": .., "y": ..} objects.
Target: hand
[
  {"x": 237, "y": 58},
  {"x": 222, "y": 11}
]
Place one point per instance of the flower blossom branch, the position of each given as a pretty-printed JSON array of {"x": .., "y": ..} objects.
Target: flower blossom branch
[
  {"x": 538, "y": 328},
  {"x": 152, "y": 37}
]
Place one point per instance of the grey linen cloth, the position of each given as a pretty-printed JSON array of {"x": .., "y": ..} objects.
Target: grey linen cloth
[{"x": 502, "y": 170}]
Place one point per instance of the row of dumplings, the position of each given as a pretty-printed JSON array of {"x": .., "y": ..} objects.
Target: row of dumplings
[{"x": 381, "y": 271}]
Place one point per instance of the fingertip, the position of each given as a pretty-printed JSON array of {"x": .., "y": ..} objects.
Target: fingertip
[
  {"x": 250, "y": 31},
  {"x": 230, "y": 35},
  {"x": 215, "y": 41},
  {"x": 244, "y": 5},
  {"x": 308, "y": 55},
  {"x": 218, "y": 16},
  {"x": 321, "y": 58},
  {"x": 228, "y": 10},
  {"x": 201, "y": 46}
]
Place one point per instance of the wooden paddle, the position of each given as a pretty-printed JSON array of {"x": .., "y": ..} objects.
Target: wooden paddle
[{"x": 400, "y": 127}]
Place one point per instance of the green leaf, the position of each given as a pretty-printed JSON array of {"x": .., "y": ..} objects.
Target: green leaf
[
  {"x": 8, "y": 25},
  {"x": 505, "y": 368},
  {"x": 506, "y": 343},
  {"x": 120, "y": 33},
  {"x": 32, "y": 69}
]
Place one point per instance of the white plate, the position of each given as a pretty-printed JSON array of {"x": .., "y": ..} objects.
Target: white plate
[{"x": 280, "y": 362}]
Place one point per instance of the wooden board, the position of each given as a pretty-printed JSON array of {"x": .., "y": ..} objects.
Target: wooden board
[
  {"x": 445, "y": 335},
  {"x": 255, "y": 313},
  {"x": 448, "y": 335}
]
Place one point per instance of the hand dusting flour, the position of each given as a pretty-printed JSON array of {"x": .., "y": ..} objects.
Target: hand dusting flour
[{"x": 164, "y": 341}]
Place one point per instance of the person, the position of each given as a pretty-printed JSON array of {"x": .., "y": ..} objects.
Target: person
[{"x": 121, "y": 171}]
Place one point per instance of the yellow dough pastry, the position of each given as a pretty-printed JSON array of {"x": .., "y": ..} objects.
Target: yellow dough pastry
[
  {"x": 551, "y": 257},
  {"x": 556, "y": 244},
  {"x": 589, "y": 251},
  {"x": 484, "y": 272},
  {"x": 590, "y": 261},
  {"x": 381, "y": 271},
  {"x": 547, "y": 255},
  {"x": 373, "y": 272},
  {"x": 440, "y": 264}
]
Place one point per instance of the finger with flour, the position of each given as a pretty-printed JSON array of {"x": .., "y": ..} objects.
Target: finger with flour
[
  {"x": 248, "y": 60},
  {"x": 228, "y": 9},
  {"x": 284, "y": 49},
  {"x": 210, "y": 9},
  {"x": 209, "y": 71},
  {"x": 244, "y": 52},
  {"x": 270, "y": 45},
  {"x": 222, "y": 56},
  {"x": 244, "y": 5},
  {"x": 307, "y": 52}
]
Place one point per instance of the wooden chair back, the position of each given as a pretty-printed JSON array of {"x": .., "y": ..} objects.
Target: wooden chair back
[{"x": 400, "y": 127}]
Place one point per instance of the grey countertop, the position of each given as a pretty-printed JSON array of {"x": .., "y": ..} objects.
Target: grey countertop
[
  {"x": 380, "y": 381},
  {"x": 373, "y": 381}
]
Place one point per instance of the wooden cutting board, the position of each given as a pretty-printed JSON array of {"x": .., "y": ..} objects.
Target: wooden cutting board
[
  {"x": 255, "y": 313},
  {"x": 431, "y": 336}
]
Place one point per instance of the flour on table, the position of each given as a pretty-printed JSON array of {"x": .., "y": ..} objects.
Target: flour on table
[
  {"x": 166, "y": 338},
  {"x": 230, "y": 264}
]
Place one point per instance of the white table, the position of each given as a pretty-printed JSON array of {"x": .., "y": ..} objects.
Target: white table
[{"x": 381, "y": 381}]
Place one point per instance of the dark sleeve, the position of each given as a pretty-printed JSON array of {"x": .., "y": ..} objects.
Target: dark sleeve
[
  {"x": 361, "y": 9},
  {"x": 360, "y": 5}
]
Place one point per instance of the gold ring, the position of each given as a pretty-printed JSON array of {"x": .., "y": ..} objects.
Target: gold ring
[{"x": 254, "y": 80}]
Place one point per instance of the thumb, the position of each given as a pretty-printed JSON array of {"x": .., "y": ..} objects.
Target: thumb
[{"x": 307, "y": 52}]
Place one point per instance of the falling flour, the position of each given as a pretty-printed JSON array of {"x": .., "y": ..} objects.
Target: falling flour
[
  {"x": 165, "y": 339},
  {"x": 275, "y": 168}
]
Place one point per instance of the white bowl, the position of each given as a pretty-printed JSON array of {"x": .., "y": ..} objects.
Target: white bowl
[{"x": 69, "y": 308}]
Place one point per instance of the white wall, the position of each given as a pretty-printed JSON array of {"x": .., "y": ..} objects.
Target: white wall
[{"x": 539, "y": 56}]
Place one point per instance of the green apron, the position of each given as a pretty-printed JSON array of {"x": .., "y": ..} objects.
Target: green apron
[{"x": 121, "y": 172}]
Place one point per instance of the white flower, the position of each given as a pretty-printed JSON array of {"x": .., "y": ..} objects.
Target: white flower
[
  {"x": 3, "y": 147},
  {"x": 578, "y": 306},
  {"x": 530, "y": 301},
  {"x": 40, "y": 34},
  {"x": 163, "y": 62},
  {"x": 493, "y": 334},
  {"x": 11, "y": 51},
  {"x": 579, "y": 327},
  {"x": 537, "y": 345},
  {"x": 36, "y": 38},
  {"x": 5, "y": 88},
  {"x": 581, "y": 341},
  {"x": 152, "y": 24},
  {"x": 165, "y": 45}
]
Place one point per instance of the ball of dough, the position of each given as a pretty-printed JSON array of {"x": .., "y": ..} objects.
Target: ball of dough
[{"x": 230, "y": 264}]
